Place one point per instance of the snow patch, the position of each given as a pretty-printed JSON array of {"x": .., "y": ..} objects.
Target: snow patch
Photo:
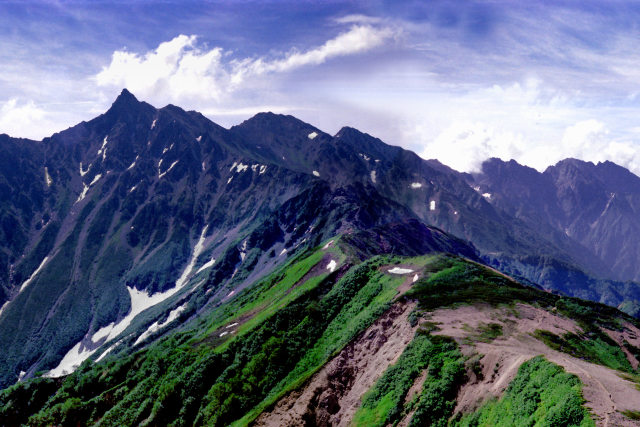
[
  {"x": 243, "y": 250},
  {"x": 415, "y": 278},
  {"x": 3, "y": 307},
  {"x": 399, "y": 270},
  {"x": 21, "y": 375},
  {"x": 47, "y": 177},
  {"x": 312, "y": 135},
  {"x": 160, "y": 175},
  {"x": 231, "y": 325},
  {"x": 284, "y": 251},
  {"x": 107, "y": 351},
  {"x": 486, "y": 196},
  {"x": 229, "y": 180},
  {"x": 34, "y": 274},
  {"x": 203, "y": 166},
  {"x": 199, "y": 138},
  {"x": 263, "y": 169},
  {"x": 132, "y": 165},
  {"x": 104, "y": 144},
  {"x": 133, "y": 188},
  {"x": 224, "y": 333},
  {"x": 316, "y": 173},
  {"x": 206, "y": 265},
  {"x": 373, "y": 176},
  {"x": 364, "y": 156},
  {"x": 432, "y": 205},
  {"x": 416, "y": 185},
  {"x": 164, "y": 150},
  {"x": 154, "y": 123},
  {"x": 141, "y": 300},
  {"x": 325, "y": 247},
  {"x": 95, "y": 179},
  {"x": 155, "y": 326},
  {"x": 83, "y": 194},
  {"x": 82, "y": 171},
  {"x": 332, "y": 266},
  {"x": 70, "y": 361}
]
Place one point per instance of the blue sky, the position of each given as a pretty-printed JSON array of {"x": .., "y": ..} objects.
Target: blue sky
[{"x": 459, "y": 81}]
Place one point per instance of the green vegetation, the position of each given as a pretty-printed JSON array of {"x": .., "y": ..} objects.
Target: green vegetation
[
  {"x": 542, "y": 394},
  {"x": 485, "y": 332},
  {"x": 596, "y": 347},
  {"x": 633, "y": 415},
  {"x": 301, "y": 321},
  {"x": 292, "y": 323},
  {"x": 384, "y": 403},
  {"x": 452, "y": 281}
]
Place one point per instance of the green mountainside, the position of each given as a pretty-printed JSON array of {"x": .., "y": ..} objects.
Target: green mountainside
[{"x": 268, "y": 342}]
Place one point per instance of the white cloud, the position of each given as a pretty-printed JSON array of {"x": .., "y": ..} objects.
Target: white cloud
[
  {"x": 19, "y": 118},
  {"x": 358, "y": 19},
  {"x": 465, "y": 145},
  {"x": 181, "y": 70}
]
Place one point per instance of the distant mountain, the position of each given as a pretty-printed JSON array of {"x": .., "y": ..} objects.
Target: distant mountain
[
  {"x": 596, "y": 206},
  {"x": 115, "y": 227}
]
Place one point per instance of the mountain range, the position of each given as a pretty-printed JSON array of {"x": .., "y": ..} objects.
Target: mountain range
[{"x": 193, "y": 257}]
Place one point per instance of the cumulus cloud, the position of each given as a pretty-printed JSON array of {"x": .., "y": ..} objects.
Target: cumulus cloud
[
  {"x": 181, "y": 69},
  {"x": 465, "y": 145},
  {"x": 18, "y": 118}
]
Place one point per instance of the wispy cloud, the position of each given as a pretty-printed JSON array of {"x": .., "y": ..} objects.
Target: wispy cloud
[{"x": 181, "y": 69}]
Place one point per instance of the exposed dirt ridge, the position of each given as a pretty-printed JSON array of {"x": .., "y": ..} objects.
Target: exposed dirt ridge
[
  {"x": 333, "y": 395},
  {"x": 606, "y": 393}
]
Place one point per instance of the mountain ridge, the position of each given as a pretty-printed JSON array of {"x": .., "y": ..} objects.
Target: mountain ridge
[{"x": 123, "y": 200}]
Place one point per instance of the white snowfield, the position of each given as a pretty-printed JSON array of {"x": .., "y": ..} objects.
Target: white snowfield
[
  {"x": 332, "y": 265},
  {"x": 160, "y": 175},
  {"x": 239, "y": 167},
  {"x": 70, "y": 361},
  {"x": 86, "y": 188},
  {"x": 154, "y": 123},
  {"x": 34, "y": 274},
  {"x": 312, "y": 135},
  {"x": 432, "y": 205},
  {"x": 206, "y": 265},
  {"x": 486, "y": 196},
  {"x": 47, "y": 177},
  {"x": 140, "y": 301},
  {"x": 82, "y": 171},
  {"x": 132, "y": 165},
  {"x": 416, "y": 185},
  {"x": 316, "y": 173},
  {"x": 156, "y": 326},
  {"x": 399, "y": 270},
  {"x": 103, "y": 149},
  {"x": 373, "y": 176}
]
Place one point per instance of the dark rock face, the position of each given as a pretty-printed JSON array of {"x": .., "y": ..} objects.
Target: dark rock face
[{"x": 594, "y": 206}]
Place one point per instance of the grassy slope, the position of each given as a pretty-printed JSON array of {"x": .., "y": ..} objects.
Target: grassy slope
[
  {"x": 288, "y": 330},
  {"x": 541, "y": 394}
]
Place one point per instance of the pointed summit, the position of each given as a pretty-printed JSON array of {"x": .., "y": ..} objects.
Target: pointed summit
[
  {"x": 125, "y": 98},
  {"x": 127, "y": 107}
]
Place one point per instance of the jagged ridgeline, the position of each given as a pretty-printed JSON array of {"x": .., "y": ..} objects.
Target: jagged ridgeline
[
  {"x": 336, "y": 338},
  {"x": 156, "y": 268}
]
